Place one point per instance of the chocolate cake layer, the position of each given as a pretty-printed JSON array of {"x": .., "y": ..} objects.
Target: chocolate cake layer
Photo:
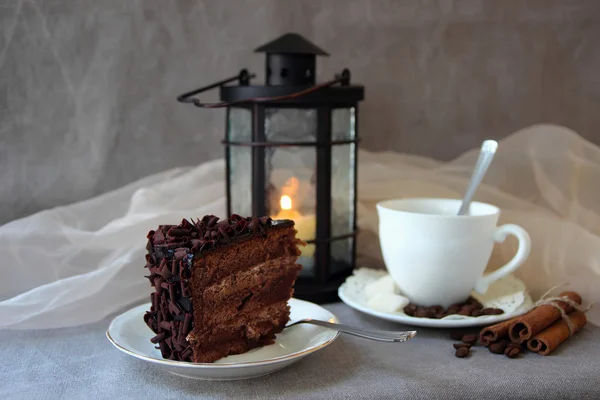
[
  {"x": 249, "y": 326},
  {"x": 212, "y": 276},
  {"x": 249, "y": 290}
]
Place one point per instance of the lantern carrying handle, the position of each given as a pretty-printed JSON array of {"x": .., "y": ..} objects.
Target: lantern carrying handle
[{"x": 244, "y": 79}]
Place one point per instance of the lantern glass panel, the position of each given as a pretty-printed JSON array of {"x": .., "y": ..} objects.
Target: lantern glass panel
[
  {"x": 240, "y": 160},
  {"x": 291, "y": 174},
  {"x": 342, "y": 186}
]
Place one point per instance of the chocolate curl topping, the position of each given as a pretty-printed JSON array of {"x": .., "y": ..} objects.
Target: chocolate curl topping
[
  {"x": 172, "y": 291},
  {"x": 240, "y": 225},
  {"x": 214, "y": 236},
  {"x": 266, "y": 221},
  {"x": 186, "y": 353},
  {"x": 150, "y": 234},
  {"x": 158, "y": 238},
  {"x": 225, "y": 222},
  {"x": 166, "y": 352},
  {"x": 184, "y": 289},
  {"x": 178, "y": 232},
  {"x": 196, "y": 246},
  {"x": 163, "y": 308},
  {"x": 186, "y": 273},
  {"x": 157, "y": 282},
  {"x": 158, "y": 337},
  {"x": 165, "y": 325},
  {"x": 185, "y": 224},
  {"x": 176, "y": 267},
  {"x": 154, "y": 299},
  {"x": 174, "y": 308},
  {"x": 235, "y": 218},
  {"x": 226, "y": 233},
  {"x": 180, "y": 253},
  {"x": 149, "y": 320},
  {"x": 254, "y": 224},
  {"x": 165, "y": 272},
  {"x": 187, "y": 323}
]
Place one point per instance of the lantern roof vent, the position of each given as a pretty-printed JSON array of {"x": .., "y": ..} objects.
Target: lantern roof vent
[{"x": 291, "y": 43}]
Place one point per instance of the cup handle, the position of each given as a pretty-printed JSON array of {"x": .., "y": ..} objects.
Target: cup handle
[{"x": 522, "y": 253}]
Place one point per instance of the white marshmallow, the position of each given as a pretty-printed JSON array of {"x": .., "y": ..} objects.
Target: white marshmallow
[
  {"x": 382, "y": 285},
  {"x": 388, "y": 302}
]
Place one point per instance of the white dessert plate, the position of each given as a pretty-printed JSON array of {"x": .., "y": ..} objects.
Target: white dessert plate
[
  {"x": 128, "y": 332},
  {"x": 508, "y": 293}
]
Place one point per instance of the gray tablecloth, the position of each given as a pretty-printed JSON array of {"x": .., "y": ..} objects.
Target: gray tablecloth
[{"x": 80, "y": 363}]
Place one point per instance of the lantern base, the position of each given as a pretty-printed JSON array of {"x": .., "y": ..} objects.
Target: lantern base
[{"x": 309, "y": 290}]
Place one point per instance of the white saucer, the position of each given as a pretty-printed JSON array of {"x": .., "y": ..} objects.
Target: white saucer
[
  {"x": 129, "y": 333},
  {"x": 351, "y": 292}
]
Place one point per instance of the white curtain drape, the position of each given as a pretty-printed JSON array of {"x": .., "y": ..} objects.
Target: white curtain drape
[{"x": 82, "y": 262}]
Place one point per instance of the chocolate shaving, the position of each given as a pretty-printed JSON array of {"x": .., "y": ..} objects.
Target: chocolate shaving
[
  {"x": 266, "y": 221},
  {"x": 158, "y": 337},
  {"x": 186, "y": 353},
  {"x": 253, "y": 225},
  {"x": 178, "y": 232},
  {"x": 158, "y": 238},
  {"x": 184, "y": 289},
  {"x": 165, "y": 272},
  {"x": 174, "y": 308},
  {"x": 212, "y": 222},
  {"x": 154, "y": 300}
]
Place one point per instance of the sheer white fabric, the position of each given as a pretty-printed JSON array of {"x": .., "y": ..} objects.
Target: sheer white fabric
[{"x": 79, "y": 263}]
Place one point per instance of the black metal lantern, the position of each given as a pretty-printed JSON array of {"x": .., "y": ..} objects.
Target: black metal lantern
[{"x": 291, "y": 152}]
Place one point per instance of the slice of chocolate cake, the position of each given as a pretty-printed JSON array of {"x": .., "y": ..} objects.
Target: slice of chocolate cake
[{"x": 222, "y": 287}]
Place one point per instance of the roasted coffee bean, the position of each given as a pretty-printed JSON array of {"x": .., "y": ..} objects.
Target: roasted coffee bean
[
  {"x": 410, "y": 309},
  {"x": 424, "y": 313},
  {"x": 454, "y": 309},
  {"x": 459, "y": 345},
  {"x": 437, "y": 309},
  {"x": 476, "y": 313},
  {"x": 498, "y": 347},
  {"x": 466, "y": 310},
  {"x": 473, "y": 302},
  {"x": 441, "y": 315},
  {"x": 512, "y": 352},
  {"x": 462, "y": 352},
  {"x": 456, "y": 335},
  {"x": 492, "y": 311},
  {"x": 513, "y": 345},
  {"x": 470, "y": 338}
]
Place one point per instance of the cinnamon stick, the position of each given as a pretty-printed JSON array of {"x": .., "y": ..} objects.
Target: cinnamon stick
[
  {"x": 550, "y": 338},
  {"x": 493, "y": 333},
  {"x": 527, "y": 326}
]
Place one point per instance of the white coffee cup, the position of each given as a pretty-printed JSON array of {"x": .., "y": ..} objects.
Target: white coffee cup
[{"x": 436, "y": 257}]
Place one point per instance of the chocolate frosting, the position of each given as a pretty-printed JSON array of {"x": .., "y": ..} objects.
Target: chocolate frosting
[{"x": 171, "y": 250}]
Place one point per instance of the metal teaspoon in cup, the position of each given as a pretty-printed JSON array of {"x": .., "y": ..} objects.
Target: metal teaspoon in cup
[{"x": 486, "y": 155}]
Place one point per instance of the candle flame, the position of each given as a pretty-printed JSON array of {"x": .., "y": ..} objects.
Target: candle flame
[{"x": 286, "y": 202}]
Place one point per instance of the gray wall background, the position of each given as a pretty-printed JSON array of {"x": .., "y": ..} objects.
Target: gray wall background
[{"x": 87, "y": 88}]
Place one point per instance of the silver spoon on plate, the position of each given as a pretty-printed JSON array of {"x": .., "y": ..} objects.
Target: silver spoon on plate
[{"x": 380, "y": 336}]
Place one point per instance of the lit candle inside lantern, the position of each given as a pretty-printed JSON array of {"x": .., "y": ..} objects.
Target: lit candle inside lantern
[{"x": 305, "y": 224}]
